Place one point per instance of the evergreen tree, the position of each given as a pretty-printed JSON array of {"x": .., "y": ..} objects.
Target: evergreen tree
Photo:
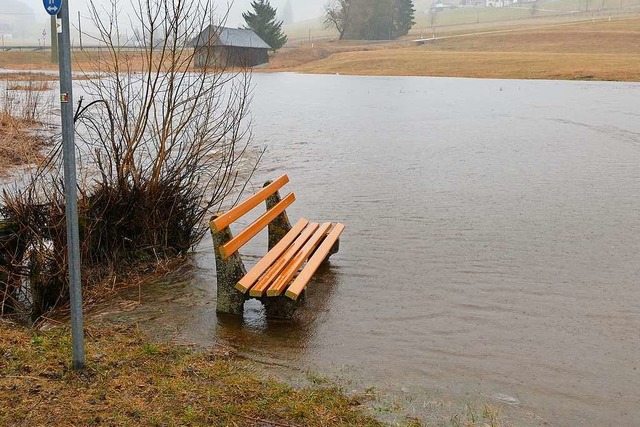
[
  {"x": 263, "y": 22},
  {"x": 370, "y": 19},
  {"x": 404, "y": 17},
  {"x": 380, "y": 20}
]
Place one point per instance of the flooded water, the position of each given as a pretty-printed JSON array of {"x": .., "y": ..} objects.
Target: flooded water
[{"x": 492, "y": 248}]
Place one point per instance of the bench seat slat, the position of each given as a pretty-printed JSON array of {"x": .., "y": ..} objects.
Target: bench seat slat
[
  {"x": 232, "y": 215},
  {"x": 272, "y": 256},
  {"x": 280, "y": 284},
  {"x": 307, "y": 272},
  {"x": 245, "y": 235},
  {"x": 272, "y": 273}
]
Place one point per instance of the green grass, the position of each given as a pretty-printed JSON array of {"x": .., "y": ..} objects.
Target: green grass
[{"x": 130, "y": 381}]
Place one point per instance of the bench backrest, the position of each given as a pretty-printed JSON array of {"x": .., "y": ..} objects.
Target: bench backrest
[{"x": 222, "y": 220}]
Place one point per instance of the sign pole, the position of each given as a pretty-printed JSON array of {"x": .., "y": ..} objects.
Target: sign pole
[
  {"x": 70, "y": 185},
  {"x": 54, "y": 41}
]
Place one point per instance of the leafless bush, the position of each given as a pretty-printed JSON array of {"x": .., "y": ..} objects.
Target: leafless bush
[
  {"x": 30, "y": 100},
  {"x": 160, "y": 144}
]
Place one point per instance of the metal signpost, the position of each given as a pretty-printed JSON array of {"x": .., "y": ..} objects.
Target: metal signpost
[{"x": 61, "y": 9}]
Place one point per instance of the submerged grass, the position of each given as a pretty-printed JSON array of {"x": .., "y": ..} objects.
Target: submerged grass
[
  {"x": 31, "y": 86},
  {"x": 18, "y": 144},
  {"x": 131, "y": 381}
]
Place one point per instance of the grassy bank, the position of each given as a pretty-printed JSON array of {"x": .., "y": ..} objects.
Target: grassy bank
[
  {"x": 131, "y": 381},
  {"x": 603, "y": 50}
]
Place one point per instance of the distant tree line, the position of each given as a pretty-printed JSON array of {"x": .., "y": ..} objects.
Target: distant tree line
[{"x": 370, "y": 19}]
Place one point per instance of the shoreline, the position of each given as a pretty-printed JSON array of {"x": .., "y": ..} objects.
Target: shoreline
[{"x": 131, "y": 380}]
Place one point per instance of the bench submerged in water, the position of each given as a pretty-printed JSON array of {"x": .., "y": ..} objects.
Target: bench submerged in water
[{"x": 280, "y": 278}]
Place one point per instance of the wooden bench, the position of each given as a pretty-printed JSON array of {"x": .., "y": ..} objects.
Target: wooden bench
[{"x": 280, "y": 278}]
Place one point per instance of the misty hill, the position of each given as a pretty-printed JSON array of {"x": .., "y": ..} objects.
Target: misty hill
[
  {"x": 15, "y": 6},
  {"x": 20, "y": 23}
]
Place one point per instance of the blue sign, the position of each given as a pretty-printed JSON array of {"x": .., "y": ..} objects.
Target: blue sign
[{"x": 52, "y": 6}]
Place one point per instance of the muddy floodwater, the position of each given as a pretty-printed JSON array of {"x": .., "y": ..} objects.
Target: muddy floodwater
[{"x": 492, "y": 248}]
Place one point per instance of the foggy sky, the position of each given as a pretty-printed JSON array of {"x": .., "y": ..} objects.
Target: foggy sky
[
  {"x": 302, "y": 9},
  {"x": 29, "y": 15}
]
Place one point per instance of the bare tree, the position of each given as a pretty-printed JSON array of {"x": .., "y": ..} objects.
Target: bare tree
[
  {"x": 159, "y": 112},
  {"x": 337, "y": 14},
  {"x": 161, "y": 144}
]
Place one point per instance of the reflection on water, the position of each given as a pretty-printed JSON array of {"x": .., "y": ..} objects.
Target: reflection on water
[{"x": 492, "y": 246}]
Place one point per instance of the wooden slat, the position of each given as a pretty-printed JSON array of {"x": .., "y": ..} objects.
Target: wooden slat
[
  {"x": 232, "y": 215},
  {"x": 303, "y": 278},
  {"x": 273, "y": 271},
  {"x": 254, "y": 274},
  {"x": 280, "y": 284},
  {"x": 245, "y": 235}
]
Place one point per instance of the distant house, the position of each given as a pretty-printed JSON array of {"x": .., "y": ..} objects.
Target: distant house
[
  {"x": 499, "y": 3},
  {"x": 439, "y": 6},
  {"x": 229, "y": 47}
]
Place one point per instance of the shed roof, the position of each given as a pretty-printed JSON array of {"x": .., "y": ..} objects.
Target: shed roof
[{"x": 236, "y": 37}]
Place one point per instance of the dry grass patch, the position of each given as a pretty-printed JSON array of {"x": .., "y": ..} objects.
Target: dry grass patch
[
  {"x": 614, "y": 37},
  {"x": 16, "y": 60},
  {"x": 291, "y": 58},
  {"x": 88, "y": 61},
  {"x": 131, "y": 381},
  {"x": 29, "y": 76},
  {"x": 500, "y": 65},
  {"x": 31, "y": 85},
  {"x": 18, "y": 144}
]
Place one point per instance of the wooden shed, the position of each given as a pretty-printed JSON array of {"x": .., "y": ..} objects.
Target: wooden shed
[{"x": 229, "y": 47}]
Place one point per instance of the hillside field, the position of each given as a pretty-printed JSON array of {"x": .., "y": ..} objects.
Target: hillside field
[{"x": 595, "y": 50}]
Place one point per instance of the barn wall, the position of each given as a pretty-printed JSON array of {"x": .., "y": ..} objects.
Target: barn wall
[{"x": 228, "y": 56}]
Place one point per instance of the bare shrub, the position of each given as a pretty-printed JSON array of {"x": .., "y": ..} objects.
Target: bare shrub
[
  {"x": 157, "y": 150},
  {"x": 29, "y": 101}
]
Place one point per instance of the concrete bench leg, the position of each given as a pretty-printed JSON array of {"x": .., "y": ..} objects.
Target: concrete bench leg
[
  {"x": 334, "y": 249},
  {"x": 280, "y": 226},
  {"x": 280, "y": 307},
  {"x": 229, "y": 272}
]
